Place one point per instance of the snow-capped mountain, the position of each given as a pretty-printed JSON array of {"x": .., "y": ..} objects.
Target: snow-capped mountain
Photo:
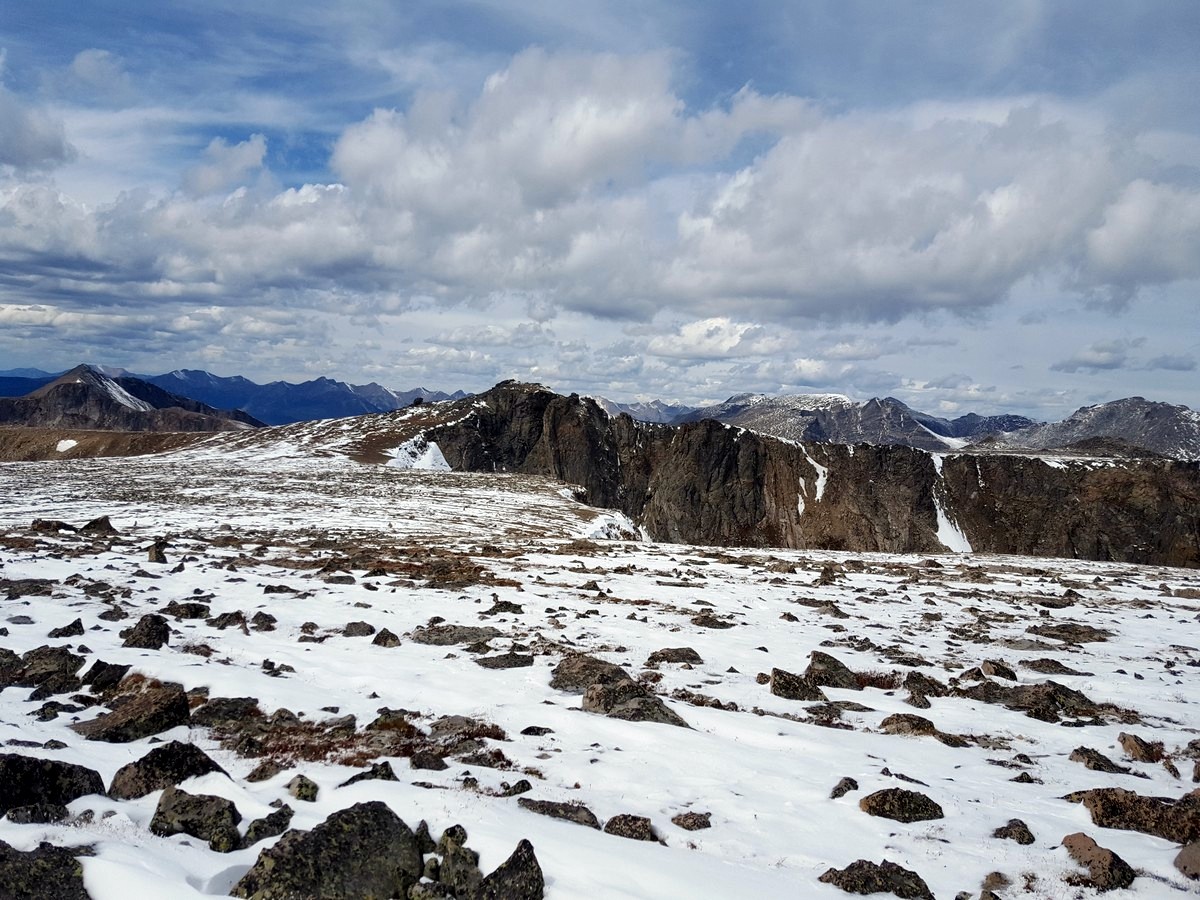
[
  {"x": 656, "y": 411},
  {"x": 836, "y": 419},
  {"x": 1161, "y": 428}
]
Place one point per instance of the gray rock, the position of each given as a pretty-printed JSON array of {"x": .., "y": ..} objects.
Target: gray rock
[
  {"x": 47, "y": 872},
  {"x": 631, "y": 702},
  {"x": 453, "y": 635},
  {"x": 363, "y": 851},
  {"x": 162, "y": 767},
  {"x": 209, "y": 818},
  {"x": 693, "y": 821},
  {"x": 29, "y": 781},
  {"x": 268, "y": 827},
  {"x": 358, "y": 629},
  {"x": 518, "y": 878},
  {"x": 150, "y": 633},
  {"x": 151, "y": 712},
  {"x": 576, "y": 673},
  {"x": 571, "y": 812},
  {"x": 1015, "y": 830},
  {"x": 505, "y": 661},
  {"x": 865, "y": 877},
  {"x": 385, "y": 638},
  {"x": 377, "y": 772},
  {"x": 38, "y": 814},
  {"x": 790, "y": 686},
  {"x": 303, "y": 788},
  {"x": 637, "y": 828},
  {"x": 828, "y": 671},
  {"x": 675, "y": 655},
  {"x": 901, "y": 805}
]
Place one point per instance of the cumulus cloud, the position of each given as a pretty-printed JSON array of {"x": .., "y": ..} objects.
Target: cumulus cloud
[
  {"x": 225, "y": 165},
  {"x": 717, "y": 338},
  {"x": 30, "y": 138}
]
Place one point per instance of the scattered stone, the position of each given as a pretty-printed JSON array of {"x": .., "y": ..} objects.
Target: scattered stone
[
  {"x": 1187, "y": 861},
  {"x": 505, "y": 661},
  {"x": 1177, "y": 821},
  {"x": 48, "y": 871},
  {"x": 377, "y": 772},
  {"x": 269, "y": 826},
  {"x": 1097, "y": 761},
  {"x": 626, "y": 825},
  {"x": 865, "y": 877},
  {"x": 303, "y": 788},
  {"x": 790, "y": 686},
  {"x": 1106, "y": 870},
  {"x": 842, "y": 788},
  {"x": 358, "y": 629},
  {"x": 828, "y": 671},
  {"x": 1140, "y": 750},
  {"x": 75, "y": 629},
  {"x": 693, "y": 821},
  {"x": 38, "y": 814},
  {"x": 631, "y": 702},
  {"x": 151, "y": 712},
  {"x": 901, "y": 805},
  {"x": 385, "y": 638},
  {"x": 578, "y": 672},
  {"x": 150, "y": 633},
  {"x": 162, "y": 767},
  {"x": 994, "y": 668},
  {"x": 675, "y": 655},
  {"x": 29, "y": 781},
  {"x": 209, "y": 818},
  {"x": 572, "y": 812},
  {"x": 363, "y": 851},
  {"x": 448, "y": 635},
  {"x": 1015, "y": 830}
]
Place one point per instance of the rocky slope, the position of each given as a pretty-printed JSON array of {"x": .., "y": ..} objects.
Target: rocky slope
[
  {"x": 86, "y": 398},
  {"x": 709, "y": 483},
  {"x": 267, "y": 673}
]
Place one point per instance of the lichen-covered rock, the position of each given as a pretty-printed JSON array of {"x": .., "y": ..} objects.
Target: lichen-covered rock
[
  {"x": 578, "y": 672},
  {"x": 268, "y": 826},
  {"x": 865, "y": 877},
  {"x": 790, "y": 686},
  {"x": 517, "y": 878},
  {"x": 38, "y": 814},
  {"x": 1106, "y": 870},
  {"x": 693, "y": 821},
  {"x": 675, "y": 655},
  {"x": 385, "y": 638},
  {"x": 448, "y": 635},
  {"x": 630, "y": 701},
  {"x": 163, "y": 766},
  {"x": 150, "y": 633},
  {"x": 572, "y": 812},
  {"x": 203, "y": 816},
  {"x": 829, "y": 671},
  {"x": 907, "y": 723},
  {"x": 901, "y": 805},
  {"x": 363, "y": 851},
  {"x": 28, "y": 781},
  {"x": 1014, "y": 830},
  {"x": 1176, "y": 821},
  {"x": 151, "y": 712},
  {"x": 626, "y": 825},
  {"x": 47, "y": 872},
  {"x": 303, "y": 788}
]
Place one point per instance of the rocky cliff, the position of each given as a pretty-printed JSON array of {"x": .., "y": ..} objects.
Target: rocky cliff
[{"x": 708, "y": 483}]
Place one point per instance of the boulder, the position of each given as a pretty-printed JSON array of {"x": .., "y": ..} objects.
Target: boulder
[
  {"x": 452, "y": 635},
  {"x": 637, "y": 828},
  {"x": 269, "y": 826},
  {"x": 38, "y": 814},
  {"x": 865, "y": 877},
  {"x": 1106, "y": 870},
  {"x": 790, "y": 686},
  {"x": 693, "y": 821},
  {"x": 28, "y": 781},
  {"x": 45, "y": 664},
  {"x": 828, "y": 671},
  {"x": 45, "y": 872},
  {"x": 576, "y": 673},
  {"x": 571, "y": 812},
  {"x": 1140, "y": 750},
  {"x": 901, "y": 805},
  {"x": 1015, "y": 830},
  {"x": 1177, "y": 821},
  {"x": 517, "y": 878},
  {"x": 385, "y": 638},
  {"x": 99, "y": 525},
  {"x": 363, "y": 851},
  {"x": 505, "y": 661},
  {"x": 907, "y": 723},
  {"x": 203, "y": 816},
  {"x": 150, "y": 633},
  {"x": 103, "y": 676},
  {"x": 151, "y": 712},
  {"x": 630, "y": 701},
  {"x": 1097, "y": 761},
  {"x": 74, "y": 629},
  {"x": 675, "y": 655},
  {"x": 303, "y": 788},
  {"x": 377, "y": 772},
  {"x": 164, "y": 766},
  {"x": 358, "y": 629}
]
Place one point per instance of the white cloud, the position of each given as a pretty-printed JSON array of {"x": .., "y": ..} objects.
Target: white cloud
[
  {"x": 30, "y": 138},
  {"x": 717, "y": 338},
  {"x": 226, "y": 165}
]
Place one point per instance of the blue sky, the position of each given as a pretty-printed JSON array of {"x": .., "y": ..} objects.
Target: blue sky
[{"x": 966, "y": 205}]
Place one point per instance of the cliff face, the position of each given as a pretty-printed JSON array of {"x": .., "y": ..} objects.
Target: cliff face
[{"x": 707, "y": 483}]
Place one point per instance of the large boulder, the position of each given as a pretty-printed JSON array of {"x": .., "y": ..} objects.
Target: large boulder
[
  {"x": 517, "y": 878},
  {"x": 203, "y": 816},
  {"x": 28, "y": 781},
  {"x": 150, "y": 633},
  {"x": 901, "y": 805},
  {"x": 153, "y": 711},
  {"x": 865, "y": 877},
  {"x": 1106, "y": 870},
  {"x": 630, "y": 701},
  {"x": 790, "y": 686},
  {"x": 162, "y": 767},
  {"x": 1176, "y": 821},
  {"x": 828, "y": 671},
  {"x": 578, "y": 672},
  {"x": 363, "y": 851},
  {"x": 39, "y": 874},
  {"x": 448, "y": 635}
]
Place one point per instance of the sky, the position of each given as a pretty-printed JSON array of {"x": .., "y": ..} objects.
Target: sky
[{"x": 967, "y": 205}]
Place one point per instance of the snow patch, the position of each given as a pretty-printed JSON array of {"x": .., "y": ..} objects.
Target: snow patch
[
  {"x": 952, "y": 442},
  {"x": 822, "y": 477},
  {"x": 64, "y": 446},
  {"x": 418, "y": 454},
  {"x": 123, "y": 396},
  {"x": 950, "y": 535},
  {"x": 612, "y": 526}
]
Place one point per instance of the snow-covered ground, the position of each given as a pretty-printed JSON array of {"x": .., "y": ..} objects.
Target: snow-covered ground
[{"x": 236, "y": 523}]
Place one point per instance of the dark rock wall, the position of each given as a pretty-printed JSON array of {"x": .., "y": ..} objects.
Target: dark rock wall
[{"x": 707, "y": 483}]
